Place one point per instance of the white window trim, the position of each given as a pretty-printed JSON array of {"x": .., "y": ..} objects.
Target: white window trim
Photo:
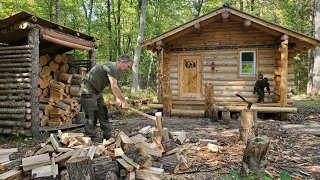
[{"x": 254, "y": 64}]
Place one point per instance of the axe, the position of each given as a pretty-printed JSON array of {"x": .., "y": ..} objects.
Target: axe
[{"x": 249, "y": 103}]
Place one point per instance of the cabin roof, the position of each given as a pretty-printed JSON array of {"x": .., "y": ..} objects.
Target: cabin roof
[
  {"x": 258, "y": 23},
  {"x": 20, "y": 37}
]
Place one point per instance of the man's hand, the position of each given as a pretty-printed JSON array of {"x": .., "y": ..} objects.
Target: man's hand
[{"x": 122, "y": 104}]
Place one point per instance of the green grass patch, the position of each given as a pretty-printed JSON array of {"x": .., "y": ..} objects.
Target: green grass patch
[
  {"x": 317, "y": 139},
  {"x": 315, "y": 102}
]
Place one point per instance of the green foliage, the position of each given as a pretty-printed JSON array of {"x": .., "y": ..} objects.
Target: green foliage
[{"x": 162, "y": 15}]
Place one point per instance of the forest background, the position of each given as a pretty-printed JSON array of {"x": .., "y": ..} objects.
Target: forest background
[{"x": 121, "y": 25}]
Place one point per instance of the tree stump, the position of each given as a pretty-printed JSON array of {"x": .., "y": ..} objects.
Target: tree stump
[
  {"x": 249, "y": 124},
  {"x": 225, "y": 116},
  {"x": 80, "y": 168},
  {"x": 215, "y": 115},
  {"x": 255, "y": 156}
]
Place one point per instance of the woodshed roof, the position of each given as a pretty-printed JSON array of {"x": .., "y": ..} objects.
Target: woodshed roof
[{"x": 19, "y": 36}]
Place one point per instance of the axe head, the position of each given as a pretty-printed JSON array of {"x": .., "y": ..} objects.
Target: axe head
[{"x": 249, "y": 105}]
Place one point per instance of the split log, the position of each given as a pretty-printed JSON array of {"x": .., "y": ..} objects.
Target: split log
[
  {"x": 64, "y": 59},
  {"x": 46, "y": 70},
  {"x": 168, "y": 145},
  {"x": 138, "y": 158},
  {"x": 82, "y": 71},
  {"x": 150, "y": 173},
  {"x": 75, "y": 90},
  {"x": 56, "y": 75},
  {"x": 255, "y": 156},
  {"x": 170, "y": 166},
  {"x": 58, "y": 58},
  {"x": 103, "y": 166},
  {"x": 63, "y": 106},
  {"x": 249, "y": 124},
  {"x": 80, "y": 168},
  {"x": 64, "y": 68},
  {"x": 75, "y": 81},
  {"x": 43, "y": 60},
  {"x": 45, "y": 108},
  {"x": 44, "y": 83},
  {"x": 73, "y": 69},
  {"x": 65, "y": 78},
  {"x": 45, "y": 92},
  {"x": 53, "y": 66}
]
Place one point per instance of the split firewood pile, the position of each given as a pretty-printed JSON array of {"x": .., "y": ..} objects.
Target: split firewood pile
[
  {"x": 59, "y": 89},
  {"x": 147, "y": 155}
]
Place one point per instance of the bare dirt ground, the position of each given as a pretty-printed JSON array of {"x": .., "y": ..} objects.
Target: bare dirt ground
[{"x": 294, "y": 148}]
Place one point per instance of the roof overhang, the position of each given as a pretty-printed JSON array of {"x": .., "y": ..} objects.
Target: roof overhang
[{"x": 258, "y": 23}]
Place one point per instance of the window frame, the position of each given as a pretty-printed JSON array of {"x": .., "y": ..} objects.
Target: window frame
[{"x": 254, "y": 71}]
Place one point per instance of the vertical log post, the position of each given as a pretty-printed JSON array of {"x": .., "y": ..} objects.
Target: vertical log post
[
  {"x": 160, "y": 74},
  {"x": 255, "y": 156},
  {"x": 159, "y": 121},
  {"x": 33, "y": 39},
  {"x": 80, "y": 168},
  {"x": 92, "y": 58},
  {"x": 249, "y": 124},
  {"x": 209, "y": 99},
  {"x": 167, "y": 99},
  {"x": 284, "y": 73},
  {"x": 215, "y": 113},
  {"x": 225, "y": 116}
]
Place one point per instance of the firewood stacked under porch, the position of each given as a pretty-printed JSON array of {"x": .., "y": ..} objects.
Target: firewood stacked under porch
[
  {"x": 59, "y": 89},
  {"x": 15, "y": 89}
]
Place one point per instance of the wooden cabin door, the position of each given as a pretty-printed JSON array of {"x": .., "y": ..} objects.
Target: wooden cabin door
[{"x": 190, "y": 76}]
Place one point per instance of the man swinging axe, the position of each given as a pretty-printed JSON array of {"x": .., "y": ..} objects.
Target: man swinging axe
[{"x": 249, "y": 103}]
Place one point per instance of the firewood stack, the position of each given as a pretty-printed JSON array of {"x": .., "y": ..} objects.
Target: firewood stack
[
  {"x": 59, "y": 90},
  {"x": 140, "y": 156}
]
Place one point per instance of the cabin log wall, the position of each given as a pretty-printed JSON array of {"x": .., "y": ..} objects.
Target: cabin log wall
[{"x": 229, "y": 37}]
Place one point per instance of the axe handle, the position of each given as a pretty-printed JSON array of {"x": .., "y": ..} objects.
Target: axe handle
[
  {"x": 138, "y": 112},
  {"x": 143, "y": 114},
  {"x": 241, "y": 97}
]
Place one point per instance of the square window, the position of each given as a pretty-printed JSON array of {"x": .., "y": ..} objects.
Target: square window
[{"x": 247, "y": 63}]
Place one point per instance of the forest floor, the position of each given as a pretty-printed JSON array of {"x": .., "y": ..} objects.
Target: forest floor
[{"x": 294, "y": 147}]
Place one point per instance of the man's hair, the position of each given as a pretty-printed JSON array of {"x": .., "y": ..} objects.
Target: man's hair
[
  {"x": 125, "y": 57},
  {"x": 260, "y": 76}
]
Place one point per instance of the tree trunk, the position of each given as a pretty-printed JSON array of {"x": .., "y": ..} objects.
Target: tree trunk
[
  {"x": 58, "y": 11},
  {"x": 255, "y": 156},
  {"x": 316, "y": 67},
  {"x": 80, "y": 168},
  {"x": 135, "y": 68},
  {"x": 150, "y": 70},
  {"x": 310, "y": 52},
  {"x": 109, "y": 29},
  {"x": 249, "y": 126}
]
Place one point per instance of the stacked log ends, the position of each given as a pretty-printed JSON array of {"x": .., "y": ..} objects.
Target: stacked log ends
[
  {"x": 57, "y": 88},
  {"x": 15, "y": 89}
]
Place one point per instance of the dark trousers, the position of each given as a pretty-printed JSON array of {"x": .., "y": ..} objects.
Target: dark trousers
[
  {"x": 94, "y": 108},
  {"x": 260, "y": 92}
]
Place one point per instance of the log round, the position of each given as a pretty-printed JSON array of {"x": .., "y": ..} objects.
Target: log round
[
  {"x": 255, "y": 156},
  {"x": 215, "y": 113},
  {"x": 80, "y": 168},
  {"x": 249, "y": 124}
]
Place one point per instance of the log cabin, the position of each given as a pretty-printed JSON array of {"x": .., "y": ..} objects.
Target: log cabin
[
  {"x": 24, "y": 38},
  {"x": 204, "y": 62}
]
